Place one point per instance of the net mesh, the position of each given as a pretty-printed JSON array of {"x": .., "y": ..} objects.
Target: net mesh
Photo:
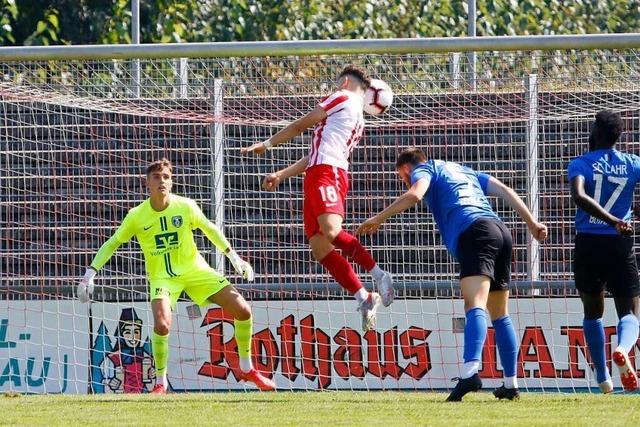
[{"x": 74, "y": 145}]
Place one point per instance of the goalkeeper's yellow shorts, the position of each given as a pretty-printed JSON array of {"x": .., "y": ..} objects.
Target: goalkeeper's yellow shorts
[{"x": 198, "y": 284}]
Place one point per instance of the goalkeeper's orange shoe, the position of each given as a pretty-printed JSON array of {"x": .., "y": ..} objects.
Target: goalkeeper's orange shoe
[
  {"x": 159, "y": 389},
  {"x": 262, "y": 382},
  {"x": 628, "y": 374}
]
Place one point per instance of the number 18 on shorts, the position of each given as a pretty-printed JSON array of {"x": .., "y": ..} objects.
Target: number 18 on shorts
[{"x": 325, "y": 191}]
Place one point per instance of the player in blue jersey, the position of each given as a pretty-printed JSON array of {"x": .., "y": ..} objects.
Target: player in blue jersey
[
  {"x": 475, "y": 236},
  {"x": 602, "y": 184}
]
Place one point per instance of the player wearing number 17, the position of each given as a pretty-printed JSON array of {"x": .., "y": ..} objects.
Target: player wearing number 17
[
  {"x": 163, "y": 226},
  {"x": 602, "y": 184},
  {"x": 338, "y": 125}
]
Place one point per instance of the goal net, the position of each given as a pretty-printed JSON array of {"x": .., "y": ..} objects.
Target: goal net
[{"x": 77, "y": 135}]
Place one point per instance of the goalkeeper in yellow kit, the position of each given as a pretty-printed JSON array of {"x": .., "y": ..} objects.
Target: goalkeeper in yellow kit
[{"x": 163, "y": 226}]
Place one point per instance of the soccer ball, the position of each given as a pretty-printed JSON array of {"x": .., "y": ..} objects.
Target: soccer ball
[{"x": 378, "y": 97}]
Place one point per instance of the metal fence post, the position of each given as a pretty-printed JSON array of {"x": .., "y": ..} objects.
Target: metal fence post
[
  {"x": 135, "y": 39},
  {"x": 533, "y": 172},
  {"x": 181, "y": 70},
  {"x": 471, "y": 31},
  {"x": 454, "y": 69},
  {"x": 217, "y": 173}
]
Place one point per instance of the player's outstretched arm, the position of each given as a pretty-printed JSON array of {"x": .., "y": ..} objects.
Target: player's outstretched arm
[
  {"x": 84, "y": 290},
  {"x": 401, "y": 204},
  {"x": 288, "y": 133},
  {"x": 217, "y": 237},
  {"x": 593, "y": 208},
  {"x": 497, "y": 188},
  {"x": 273, "y": 180}
]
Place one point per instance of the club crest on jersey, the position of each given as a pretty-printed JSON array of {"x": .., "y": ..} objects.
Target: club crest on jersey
[{"x": 176, "y": 221}]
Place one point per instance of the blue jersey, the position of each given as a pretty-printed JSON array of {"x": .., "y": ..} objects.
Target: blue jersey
[
  {"x": 455, "y": 196},
  {"x": 609, "y": 178}
]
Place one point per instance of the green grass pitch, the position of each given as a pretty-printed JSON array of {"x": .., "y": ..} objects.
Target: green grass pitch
[{"x": 320, "y": 408}]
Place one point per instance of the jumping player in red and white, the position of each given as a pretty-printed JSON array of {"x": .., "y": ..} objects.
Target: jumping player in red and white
[{"x": 338, "y": 125}]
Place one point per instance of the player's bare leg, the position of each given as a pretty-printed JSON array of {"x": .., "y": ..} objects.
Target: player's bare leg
[
  {"x": 506, "y": 340},
  {"x": 162, "y": 319},
  {"x": 331, "y": 227},
  {"x": 475, "y": 291},
  {"x": 627, "y": 309},
  {"x": 233, "y": 303},
  {"x": 343, "y": 273},
  {"x": 320, "y": 247},
  {"x": 497, "y": 304}
]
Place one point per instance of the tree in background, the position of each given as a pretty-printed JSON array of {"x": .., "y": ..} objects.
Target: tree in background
[{"x": 45, "y": 22}]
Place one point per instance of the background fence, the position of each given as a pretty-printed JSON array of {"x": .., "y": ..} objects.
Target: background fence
[{"x": 75, "y": 141}]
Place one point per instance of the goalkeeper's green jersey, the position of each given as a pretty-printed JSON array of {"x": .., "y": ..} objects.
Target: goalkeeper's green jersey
[{"x": 165, "y": 237}]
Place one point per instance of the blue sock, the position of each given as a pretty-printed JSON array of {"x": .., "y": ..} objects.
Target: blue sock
[
  {"x": 475, "y": 332},
  {"x": 507, "y": 344},
  {"x": 628, "y": 332},
  {"x": 594, "y": 335}
]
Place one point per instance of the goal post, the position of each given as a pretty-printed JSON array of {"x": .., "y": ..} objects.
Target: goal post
[{"x": 75, "y": 143}]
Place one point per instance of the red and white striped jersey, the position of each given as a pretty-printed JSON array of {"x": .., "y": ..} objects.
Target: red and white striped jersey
[{"x": 335, "y": 137}]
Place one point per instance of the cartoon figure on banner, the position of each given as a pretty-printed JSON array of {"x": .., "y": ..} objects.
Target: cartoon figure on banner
[{"x": 127, "y": 366}]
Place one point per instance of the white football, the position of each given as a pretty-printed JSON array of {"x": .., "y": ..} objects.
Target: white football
[{"x": 378, "y": 97}]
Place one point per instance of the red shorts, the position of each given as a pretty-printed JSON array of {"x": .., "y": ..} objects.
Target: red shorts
[{"x": 325, "y": 191}]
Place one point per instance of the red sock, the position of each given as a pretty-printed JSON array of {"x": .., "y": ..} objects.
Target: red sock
[
  {"x": 352, "y": 248},
  {"x": 342, "y": 271}
]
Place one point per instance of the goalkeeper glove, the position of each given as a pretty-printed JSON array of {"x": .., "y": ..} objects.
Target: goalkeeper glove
[
  {"x": 241, "y": 266},
  {"x": 85, "y": 287}
]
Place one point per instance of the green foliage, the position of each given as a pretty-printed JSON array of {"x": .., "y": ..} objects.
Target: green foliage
[
  {"x": 8, "y": 15},
  {"x": 117, "y": 27},
  {"x": 512, "y": 17},
  {"x": 41, "y": 22},
  {"x": 47, "y": 29}
]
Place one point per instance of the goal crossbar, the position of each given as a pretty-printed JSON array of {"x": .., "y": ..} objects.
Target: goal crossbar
[{"x": 323, "y": 47}]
